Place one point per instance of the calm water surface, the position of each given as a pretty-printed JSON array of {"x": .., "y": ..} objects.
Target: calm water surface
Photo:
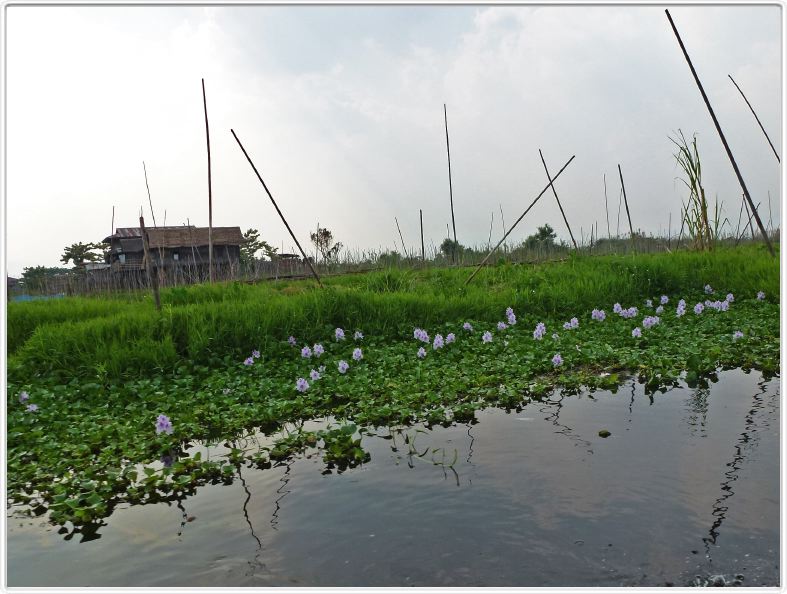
[{"x": 687, "y": 485}]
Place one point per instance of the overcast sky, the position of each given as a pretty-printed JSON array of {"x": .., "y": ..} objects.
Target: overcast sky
[{"x": 341, "y": 109}]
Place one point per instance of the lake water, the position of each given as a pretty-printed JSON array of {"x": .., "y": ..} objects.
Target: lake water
[{"x": 686, "y": 485}]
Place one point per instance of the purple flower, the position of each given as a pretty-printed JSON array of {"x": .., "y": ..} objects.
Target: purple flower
[
  {"x": 682, "y": 303},
  {"x": 314, "y": 375},
  {"x": 467, "y": 326},
  {"x": 23, "y": 396},
  {"x": 358, "y": 335},
  {"x": 501, "y": 326},
  {"x": 357, "y": 354},
  {"x": 617, "y": 308},
  {"x": 664, "y": 300},
  {"x": 708, "y": 289},
  {"x": 648, "y": 303},
  {"x": 301, "y": 385},
  {"x": 725, "y": 305},
  {"x": 421, "y": 353},
  {"x": 318, "y": 350},
  {"x": 660, "y": 309},
  {"x": 760, "y": 295},
  {"x": 631, "y": 312},
  {"x": 572, "y": 325},
  {"x": 737, "y": 334},
  {"x": 292, "y": 341},
  {"x": 511, "y": 317},
  {"x": 339, "y": 333},
  {"x": 255, "y": 354},
  {"x": 598, "y": 314},
  {"x": 557, "y": 360},
  {"x": 650, "y": 321},
  {"x": 707, "y": 302},
  {"x": 487, "y": 336},
  {"x": 698, "y": 308},
  {"x": 249, "y": 361},
  {"x": 421, "y": 335},
  {"x": 540, "y": 330},
  {"x": 450, "y": 338},
  {"x": 438, "y": 342},
  {"x": 343, "y": 366},
  {"x": 306, "y": 352},
  {"x": 730, "y": 297},
  {"x": 679, "y": 311},
  {"x": 636, "y": 332},
  {"x": 32, "y": 408},
  {"x": 163, "y": 425}
]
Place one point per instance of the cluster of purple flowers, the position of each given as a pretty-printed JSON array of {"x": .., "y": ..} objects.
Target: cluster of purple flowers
[
  {"x": 339, "y": 334},
  {"x": 571, "y": 325},
  {"x": 501, "y": 326},
  {"x": 660, "y": 309},
  {"x": 598, "y": 314},
  {"x": 467, "y": 326},
  {"x": 698, "y": 308},
  {"x": 256, "y": 354},
  {"x": 358, "y": 335},
  {"x": 557, "y": 360},
  {"x": 23, "y": 397},
  {"x": 636, "y": 332},
  {"x": 730, "y": 297},
  {"x": 248, "y": 361},
  {"x": 301, "y": 385},
  {"x": 737, "y": 334},
  {"x": 650, "y": 321},
  {"x": 760, "y": 295},
  {"x": 314, "y": 375},
  {"x": 421, "y": 353},
  {"x": 343, "y": 366},
  {"x": 306, "y": 352},
  {"x": 664, "y": 300},
  {"x": 438, "y": 342},
  {"x": 540, "y": 330},
  {"x": 708, "y": 290},
  {"x": 631, "y": 312},
  {"x": 292, "y": 341},
  {"x": 681, "y": 309},
  {"x": 511, "y": 317},
  {"x": 318, "y": 350},
  {"x": 163, "y": 425},
  {"x": 421, "y": 335},
  {"x": 357, "y": 355},
  {"x": 648, "y": 303},
  {"x": 450, "y": 338},
  {"x": 487, "y": 336},
  {"x": 718, "y": 305},
  {"x": 617, "y": 308}
]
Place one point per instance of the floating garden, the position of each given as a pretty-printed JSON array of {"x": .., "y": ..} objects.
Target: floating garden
[{"x": 110, "y": 402}]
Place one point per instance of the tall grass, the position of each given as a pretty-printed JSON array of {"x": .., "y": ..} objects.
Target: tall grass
[{"x": 220, "y": 323}]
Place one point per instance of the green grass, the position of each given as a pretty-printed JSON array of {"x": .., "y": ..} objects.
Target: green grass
[{"x": 210, "y": 325}]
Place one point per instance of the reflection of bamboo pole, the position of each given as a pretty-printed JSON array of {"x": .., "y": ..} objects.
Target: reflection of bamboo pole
[
  {"x": 276, "y": 206},
  {"x": 723, "y": 139},
  {"x": 522, "y": 216}
]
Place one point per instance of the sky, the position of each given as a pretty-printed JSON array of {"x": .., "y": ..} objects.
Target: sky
[{"x": 341, "y": 109}]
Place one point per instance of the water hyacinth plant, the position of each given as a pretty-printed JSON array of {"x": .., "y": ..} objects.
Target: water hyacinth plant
[
  {"x": 650, "y": 321},
  {"x": 291, "y": 340},
  {"x": 358, "y": 335},
  {"x": 737, "y": 334},
  {"x": 32, "y": 408},
  {"x": 760, "y": 295},
  {"x": 730, "y": 298},
  {"x": 698, "y": 308},
  {"x": 648, "y": 303},
  {"x": 664, "y": 300},
  {"x": 598, "y": 315},
  {"x": 450, "y": 338},
  {"x": 501, "y": 326},
  {"x": 636, "y": 332},
  {"x": 617, "y": 308},
  {"x": 420, "y": 334},
  {"x": 510, "y": 316},
  {"x": 255, "y": 354},
  {"x": 486, "y": 336},
  {"x": 339, "y": 334},
  {"x": 318, "y": 350},
  {"x": 357, "y": 354},
  {"x": 314, "y": 375},
  {"x": 540, "y": 330},
  {"x": 163, "y": 425},
  {"x": 438, "y": 342},
  {"x": 660, "y": 309},
  {"x": 306, "y": 352},
  {"x": 557, "y": 360},
  {"x": 421, "y": 353},
  {"x": 467, "y": 326},
  {"x": 301, "y": 385},
  {"x": 708, "y": 290},
  {"x": 343, "y": 366},
  {"x": 23, "y": 396},
  {"x": 248, "y": 361}
]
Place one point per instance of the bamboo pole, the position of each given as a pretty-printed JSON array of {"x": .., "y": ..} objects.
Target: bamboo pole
[
  {"x": 276, "y": 206},
  {"x": 606, "y": 207},
  {"x": 754, "y": 113},
  {"x": 450, "y": 184},
  {"x": 626, "y": 202},
  {"x": 406, "y": 255},
  {"x": 522, "y": 216},
  {"x": 152, "y": 279},
  {"x": 210, "y": 190},
  {"x": 721, "y": 135},
  {"x": 560, "y": 206},
  {"x": 423, "y": 252}
]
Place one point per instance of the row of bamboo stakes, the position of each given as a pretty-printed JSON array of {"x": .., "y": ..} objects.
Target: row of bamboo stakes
[{"x": 748, "y": 203}]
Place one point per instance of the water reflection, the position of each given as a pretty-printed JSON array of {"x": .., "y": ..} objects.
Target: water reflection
[
  {"x": 554, "y": 407},
  {"x": 282, "y": 492}
]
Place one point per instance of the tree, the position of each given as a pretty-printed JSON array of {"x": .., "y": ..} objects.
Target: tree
[
  {"x": 248, "y": 251},
  {"x": 450, "y": 248},
  {"x": 34, "y": 277},
  {"x": 323, "y": 241},
  {"x": 544, "y": 236},
  {"x": 79, "y": 253}
]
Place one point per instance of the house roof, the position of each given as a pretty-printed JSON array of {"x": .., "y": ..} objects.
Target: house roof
[{"x": 183, "y": 236}]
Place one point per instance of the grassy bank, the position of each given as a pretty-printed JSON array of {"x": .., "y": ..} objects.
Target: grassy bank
[{"x": 211, "y": 325}]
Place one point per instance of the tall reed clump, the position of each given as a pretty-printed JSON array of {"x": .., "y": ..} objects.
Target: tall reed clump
[{"x": 703, "y": 231}]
